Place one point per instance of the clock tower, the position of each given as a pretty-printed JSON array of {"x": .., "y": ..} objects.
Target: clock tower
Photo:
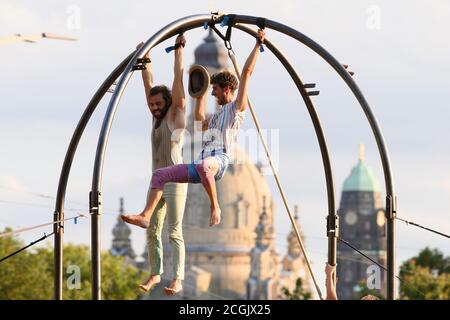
[{"x": 362, "y": 224}]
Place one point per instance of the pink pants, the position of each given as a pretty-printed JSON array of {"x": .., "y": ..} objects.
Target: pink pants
[{"x": 179, "y": 174}]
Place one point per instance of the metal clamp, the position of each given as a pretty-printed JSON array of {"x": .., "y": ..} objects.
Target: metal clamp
[
  {"x": 346, "y": 67},
  {"x": 333, "y": 225},
  {"x": 140, "y": 65},
  {"x": 311, "y": 86},
  {"x": 143, "y": 60},
  {"x": 391, "y": 207},
  {"x": 58, "y": 227},
  {"x": 95, "y": 202}
]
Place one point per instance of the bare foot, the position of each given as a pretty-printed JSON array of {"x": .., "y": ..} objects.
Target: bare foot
[
  {"x": 138, "y": 220},
  {"x": 215, "y": 216},
  {"x": 174, "y": 288},
  {"x": 153, "y": 280}
]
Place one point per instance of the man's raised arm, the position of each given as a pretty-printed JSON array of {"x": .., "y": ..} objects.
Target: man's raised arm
[
  {"x": 241, "y": 99},
  {"x": 147, "y": 76},
  {"x": 178, "y": 95},
  {"x": 177, "y": 110}
]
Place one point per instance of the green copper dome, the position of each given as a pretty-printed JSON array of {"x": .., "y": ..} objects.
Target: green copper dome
[{"x": 361, "y": 178}]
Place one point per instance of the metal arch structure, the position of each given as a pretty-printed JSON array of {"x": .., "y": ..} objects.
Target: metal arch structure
[{"x": 125, "y": 70}]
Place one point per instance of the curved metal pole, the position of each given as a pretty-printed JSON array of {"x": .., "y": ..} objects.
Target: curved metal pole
[
  {"x": 191, "y": 22},
  {"x": 332, "y": 215},
  {"x": 64, "y": 176}
]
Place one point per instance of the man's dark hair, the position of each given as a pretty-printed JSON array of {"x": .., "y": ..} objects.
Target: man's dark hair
[
  {"x": 225, "y": 79},
  {"x": 166, "y": 93}
]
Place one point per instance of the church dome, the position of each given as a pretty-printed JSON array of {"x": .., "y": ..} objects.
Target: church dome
[
  {"x": 361, "y": 177},
  {"x": 211, "y": 53}
]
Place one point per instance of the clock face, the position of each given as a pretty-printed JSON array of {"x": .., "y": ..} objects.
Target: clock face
[
  {"x": 381, "y": 219},
  {"x": 351, "y": 217}
]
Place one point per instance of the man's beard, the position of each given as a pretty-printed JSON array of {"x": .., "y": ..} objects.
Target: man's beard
[
  {"x": 160, "y": 114},
  {"x": 220, "y": 102}
]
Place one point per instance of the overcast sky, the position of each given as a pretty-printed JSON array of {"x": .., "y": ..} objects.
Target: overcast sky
[{"x": 399, "y": 51}]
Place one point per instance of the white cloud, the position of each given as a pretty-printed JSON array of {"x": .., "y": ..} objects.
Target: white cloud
[
  {"x": 443, "y": 185},
  {"x": 15, "y": 18},
  {"x": 11, "y": 183}
]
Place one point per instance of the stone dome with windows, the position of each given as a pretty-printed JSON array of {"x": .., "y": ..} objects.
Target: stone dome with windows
[{"x": 210, "y": 54}]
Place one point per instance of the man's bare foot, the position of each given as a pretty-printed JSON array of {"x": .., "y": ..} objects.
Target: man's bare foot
[
  {"x": 174, "y": 287},
  {"x": 138, "y": 220},
  {"x": 215, "y": 216},
  {"x": 153, "y": 280}
]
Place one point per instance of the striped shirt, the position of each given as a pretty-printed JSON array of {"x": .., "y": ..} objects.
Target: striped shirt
[{"x": 222, "y": 130}]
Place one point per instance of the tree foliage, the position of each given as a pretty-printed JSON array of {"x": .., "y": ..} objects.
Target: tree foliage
[
  {"x": 299, "y": 293},
  {"x": 29, "y": 274},
  {"x": 426, "y": 276}
]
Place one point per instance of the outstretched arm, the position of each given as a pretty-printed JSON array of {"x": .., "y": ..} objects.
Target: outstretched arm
[
  {"x": 177, "y": 111},
  {"x": 147, "y": 76},
  {"x": 241, "y": 100}
]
